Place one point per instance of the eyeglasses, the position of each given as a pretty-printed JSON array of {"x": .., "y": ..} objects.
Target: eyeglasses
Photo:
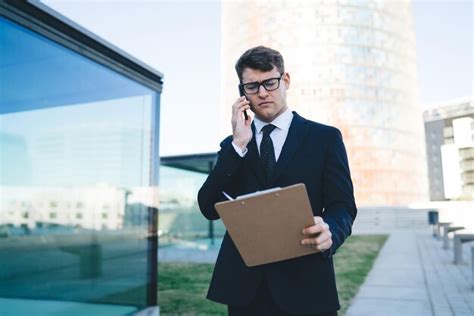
[{"x": 269, "y": 85}]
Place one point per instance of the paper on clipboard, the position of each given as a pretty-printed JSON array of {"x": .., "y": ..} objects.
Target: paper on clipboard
[{"x": 267, "y": 227}]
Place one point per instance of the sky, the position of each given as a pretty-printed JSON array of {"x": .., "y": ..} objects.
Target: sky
[
  {"x": 181, "y": 39},
  {"x": 445, "y": 47}
]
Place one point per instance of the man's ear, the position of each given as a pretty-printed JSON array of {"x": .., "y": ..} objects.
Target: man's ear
[{"x": 286, "y": 80}]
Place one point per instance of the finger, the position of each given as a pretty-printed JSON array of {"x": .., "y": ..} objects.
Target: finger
[
  {"x": 315, "y": 229},
  {"x": 240, "y": 105},
  {"x": 311, "y": 242},
  {"x": 318, "y": 219},
  {"x": 311, "y": 230},
  {"x": 323, "y": 238},
  {"x": 308, "y": 242},
  {"x": 245, "y": 107},
  {"x": 324, "y": 246},
  {"x": 239, "y": 102},
  {"x": 243, "y": 103},
  {"x": 236, "y": 107},
  {"x": 240, "y": 99},
  {"x": 240, "y": 112}
]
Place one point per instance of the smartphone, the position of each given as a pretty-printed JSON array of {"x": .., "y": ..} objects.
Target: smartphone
[{"x": 241, "y": 92}]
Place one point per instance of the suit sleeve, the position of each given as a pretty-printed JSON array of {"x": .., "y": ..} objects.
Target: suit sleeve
[
  {"x": 338, "y": 194},
  {"x": 223, "y": 177}
]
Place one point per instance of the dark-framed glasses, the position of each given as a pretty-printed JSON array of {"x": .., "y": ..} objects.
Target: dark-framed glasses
[{"x": 269, "y": 85}]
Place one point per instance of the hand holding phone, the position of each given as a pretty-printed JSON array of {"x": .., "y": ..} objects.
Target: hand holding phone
[{"x": 241, "y": 124}]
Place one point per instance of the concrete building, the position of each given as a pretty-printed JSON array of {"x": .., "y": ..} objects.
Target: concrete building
[
  {"x": 352, "y": 65},
  {"x": 450, "y": 150}
]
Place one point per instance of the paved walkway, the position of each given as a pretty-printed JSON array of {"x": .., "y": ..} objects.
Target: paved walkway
[{"x": 413, "y": 276}]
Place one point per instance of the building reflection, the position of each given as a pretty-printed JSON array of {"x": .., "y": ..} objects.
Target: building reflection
[{"x": 79, "y": 167}]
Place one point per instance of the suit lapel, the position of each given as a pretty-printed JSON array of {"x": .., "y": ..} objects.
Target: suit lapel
[{"x": 294, "y": 140}]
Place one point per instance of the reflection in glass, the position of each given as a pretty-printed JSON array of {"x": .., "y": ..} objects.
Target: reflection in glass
[
  {"x": 180, "y": 219},
  {"x": 75, "y": 168}
]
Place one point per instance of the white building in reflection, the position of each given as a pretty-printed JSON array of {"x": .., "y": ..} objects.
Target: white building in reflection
[
  {"x": 89, "y": 208},
  {"x": 352, "y": 65},
  {"x": 98, "y": 208}
]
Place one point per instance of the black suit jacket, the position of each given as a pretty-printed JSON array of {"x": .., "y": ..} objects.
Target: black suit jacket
[{"x": 312, "y": 154}]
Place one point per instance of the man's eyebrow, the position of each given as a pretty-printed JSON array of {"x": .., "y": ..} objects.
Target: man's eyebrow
[{"x": 260, "y": 81}]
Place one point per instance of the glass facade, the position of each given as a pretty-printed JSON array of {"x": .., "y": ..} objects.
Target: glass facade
[
  {"x": 353, "y": 66},
  {"x": 180, "y": 220},
  {"x": 78, "y": 209}
]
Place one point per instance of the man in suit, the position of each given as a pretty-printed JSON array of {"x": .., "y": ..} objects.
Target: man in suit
[{"x": 276, "y": 149}]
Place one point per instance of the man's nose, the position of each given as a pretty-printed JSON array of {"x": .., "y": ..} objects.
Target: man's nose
[{"x": 262, "y": 92}]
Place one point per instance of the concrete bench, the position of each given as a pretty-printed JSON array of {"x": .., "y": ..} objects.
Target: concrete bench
[
  {"x": 448, "y": 230},
  {"x": 458, "y": 240},
  {"x": 441, "y": 225}
]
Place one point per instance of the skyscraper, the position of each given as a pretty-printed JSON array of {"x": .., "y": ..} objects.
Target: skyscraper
[{"x": 352, "y": 65}]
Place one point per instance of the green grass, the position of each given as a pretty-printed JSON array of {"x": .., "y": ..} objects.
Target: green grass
[{"x": 183, "y": 286}]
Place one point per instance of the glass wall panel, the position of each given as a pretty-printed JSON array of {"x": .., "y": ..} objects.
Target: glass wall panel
[
  {"x": 180, "y": 221},
  {"x": 75, "y": 173}
]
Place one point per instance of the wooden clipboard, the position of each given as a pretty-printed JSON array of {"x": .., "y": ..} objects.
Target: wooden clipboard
[{"x": 267, "y": 227}]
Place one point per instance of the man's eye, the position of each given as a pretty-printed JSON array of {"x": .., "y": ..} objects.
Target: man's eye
[
  {"x": 251, "y": 86},
  {"x": 270, "y": 83}
]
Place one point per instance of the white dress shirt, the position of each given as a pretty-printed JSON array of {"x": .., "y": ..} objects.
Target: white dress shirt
[{"x": 278, "y": 136}]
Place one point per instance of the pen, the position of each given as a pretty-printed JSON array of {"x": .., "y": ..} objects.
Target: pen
[{"x": 227, "y": 196}]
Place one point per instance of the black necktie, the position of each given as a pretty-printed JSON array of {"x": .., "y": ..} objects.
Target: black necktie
[{"x": 267, "y": 152}]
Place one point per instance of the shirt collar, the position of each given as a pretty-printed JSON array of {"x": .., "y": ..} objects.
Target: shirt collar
[{"x": 282, "y": 121}]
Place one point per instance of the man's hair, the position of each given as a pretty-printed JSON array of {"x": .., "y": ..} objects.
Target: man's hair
[{"x": 260, "y": 58}]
